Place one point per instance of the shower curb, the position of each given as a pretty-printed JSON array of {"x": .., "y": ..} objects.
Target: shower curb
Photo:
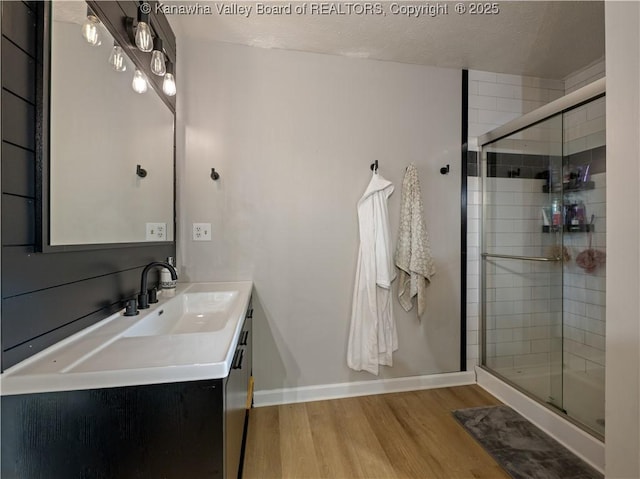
[{"x": 581, "y": 443}]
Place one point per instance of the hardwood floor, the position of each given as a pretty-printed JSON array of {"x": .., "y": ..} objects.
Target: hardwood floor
[{"x": 388, "y": 436}]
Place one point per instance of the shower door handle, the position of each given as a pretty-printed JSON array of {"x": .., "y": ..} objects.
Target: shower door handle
[{"x": 525, "y": 258}]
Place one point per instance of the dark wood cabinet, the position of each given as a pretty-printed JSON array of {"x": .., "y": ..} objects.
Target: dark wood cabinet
[
  {"x": 235, "y": 408},
  {"x": 181, "y": 430}
]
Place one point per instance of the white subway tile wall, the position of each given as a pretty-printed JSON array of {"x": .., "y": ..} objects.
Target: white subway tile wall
[
  {"x": 474, "y": 202},
  {"x": 523, "y": 298},
  {"x": 496, "y": 98}
]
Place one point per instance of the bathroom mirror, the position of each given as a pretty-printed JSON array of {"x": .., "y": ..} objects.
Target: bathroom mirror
[{"x": 111, "y": 156}]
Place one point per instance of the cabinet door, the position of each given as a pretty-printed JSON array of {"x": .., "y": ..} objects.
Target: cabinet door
[
  {"x": 248, "y": 344},
  {"x": 236, "y": 398},
  {"x": 171, "y": 431}
]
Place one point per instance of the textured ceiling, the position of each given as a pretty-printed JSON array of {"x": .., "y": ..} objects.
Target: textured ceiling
[{"x": 537, "y": 38}]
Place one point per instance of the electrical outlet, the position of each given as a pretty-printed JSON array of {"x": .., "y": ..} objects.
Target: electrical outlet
[
  {"x": 156, "y": 231},
  {"x": 201, "y": 231}
]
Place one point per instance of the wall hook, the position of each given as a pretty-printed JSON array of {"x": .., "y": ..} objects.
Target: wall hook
[
  {"x": 444, "y": 170},
  {"x": 374, "y": 166},
  {"x": 214, "y": 174},
  {"x": 141, "y": 172}
]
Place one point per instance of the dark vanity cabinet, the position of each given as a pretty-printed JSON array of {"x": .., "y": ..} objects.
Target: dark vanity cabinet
[
  {"x": 191, "y": 429},
  {"x": 237, "y": 400}
]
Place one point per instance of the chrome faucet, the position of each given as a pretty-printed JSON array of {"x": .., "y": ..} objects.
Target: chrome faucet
[{"x": 143, "y": 297}]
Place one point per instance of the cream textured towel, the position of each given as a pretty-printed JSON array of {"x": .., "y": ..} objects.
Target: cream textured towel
[{"x": 413, "y": 251}]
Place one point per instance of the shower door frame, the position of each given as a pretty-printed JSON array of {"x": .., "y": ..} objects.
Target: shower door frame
[{"x": 584, "y": 95}]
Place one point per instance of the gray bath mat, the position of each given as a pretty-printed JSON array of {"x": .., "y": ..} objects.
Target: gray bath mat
[{"x": 522, "y": 449}]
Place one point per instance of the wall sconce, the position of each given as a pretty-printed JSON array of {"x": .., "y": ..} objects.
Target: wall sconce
[
  {"x": 169, "y": 83},
  {"x": 139, "y": 31},
  {"x": 144, "y": 39},
  {"x": 139, "y": 83},
  {"x": 116, "y": 58},
  {"x": 157, "y": 58},
  {"x": 90, "y": 29}
]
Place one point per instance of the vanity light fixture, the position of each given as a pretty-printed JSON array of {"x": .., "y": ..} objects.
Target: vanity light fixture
[
  {"x": 169, "y": 83},
  {"x": 90, "y": 29},
  {"x": 116, "y": 58},
  {"x": 144, "y": 39},
  {"x": 158, "y": 58},
  {"x": 139, "y": 83}
]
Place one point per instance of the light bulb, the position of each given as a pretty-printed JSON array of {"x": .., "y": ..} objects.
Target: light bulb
[
  {"x": 169, "y": 83},
  {"x": 116, "y": 58},
  {"x": 157, "y": 58},
  {"x": 144, "y": 39},
  {"x": 139, "y": 83},
  {"x": 90, "y": 29}
]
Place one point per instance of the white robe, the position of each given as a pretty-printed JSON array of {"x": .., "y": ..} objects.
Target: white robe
[{"x": 373, "y": 336}]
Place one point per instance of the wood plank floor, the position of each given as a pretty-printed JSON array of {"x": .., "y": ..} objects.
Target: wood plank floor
[{"x": 388, "y": 436}]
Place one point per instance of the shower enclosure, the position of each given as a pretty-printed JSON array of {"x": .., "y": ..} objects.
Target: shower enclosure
[{"x": 543, "y": 255}]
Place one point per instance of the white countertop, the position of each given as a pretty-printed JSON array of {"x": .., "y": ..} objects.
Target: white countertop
[{"x": 103, "y": 355}]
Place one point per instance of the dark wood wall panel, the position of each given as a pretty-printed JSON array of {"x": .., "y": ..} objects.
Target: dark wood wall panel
[
  {"x": 18, "y": 221},
  {"x": 31, "y": 271},
  {"x": 19, "y": 24},
  {"x": 19, "y": 71},
  {"x": 18, "y": 171},
  {"x": 18, "y": 120},
  {"x": 23, "y": 351},
  {"x": 31, "y": 315},
  {"x": 48, "y": 296}
]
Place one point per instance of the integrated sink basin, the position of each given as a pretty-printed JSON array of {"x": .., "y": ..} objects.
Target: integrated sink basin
[
  {"x": 198, "y": 312},
  {"x": 191, "y": 336}
]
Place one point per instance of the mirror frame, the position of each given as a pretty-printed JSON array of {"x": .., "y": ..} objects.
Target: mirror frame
[{"x": 113, "y": 15}]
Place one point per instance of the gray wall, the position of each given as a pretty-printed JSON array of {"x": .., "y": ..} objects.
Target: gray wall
[
  {"x": 622, "y": 408},
  {"x": 292, "y": 135}
]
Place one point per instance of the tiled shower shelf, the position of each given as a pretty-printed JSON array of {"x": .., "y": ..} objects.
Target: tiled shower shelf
[
  {"x": 589, "y": 185},
  {"x": 569, "y": 229}
]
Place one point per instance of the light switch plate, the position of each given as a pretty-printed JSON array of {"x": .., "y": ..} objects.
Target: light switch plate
[
  {"x": 156, "y": 231},
  {"x": 201, "y": 231}
]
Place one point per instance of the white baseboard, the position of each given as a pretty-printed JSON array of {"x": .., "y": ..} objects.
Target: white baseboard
[
  {"x": 572, "y": 437},
  {"x": 361, "y": 388}
]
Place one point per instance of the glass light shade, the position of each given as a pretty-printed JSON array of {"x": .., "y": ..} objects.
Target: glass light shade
[
  {"x": 157, "y": 61},
  {"x": 90, "y": 30},
  {"x": 139, "y": 83},
  {"x": 116, "y": 59},
  {"x": 144, "y": 40},
  {"x": 169, "y": 85}
]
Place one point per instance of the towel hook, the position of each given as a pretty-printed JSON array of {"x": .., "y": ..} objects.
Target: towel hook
[
  {"x": 140, "y": 171},
  {"x": 214, "y": 174},
  {"x": 374, "y": 166},
  {"x": 444, "y": 170}
]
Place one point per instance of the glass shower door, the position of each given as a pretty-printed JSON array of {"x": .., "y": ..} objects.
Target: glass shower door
[{"x": 522, "y": 257}]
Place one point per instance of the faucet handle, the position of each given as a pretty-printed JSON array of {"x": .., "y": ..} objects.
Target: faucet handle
[
  {"x": 153, "y": 295},
  {"x": 131, "y": 308}
]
